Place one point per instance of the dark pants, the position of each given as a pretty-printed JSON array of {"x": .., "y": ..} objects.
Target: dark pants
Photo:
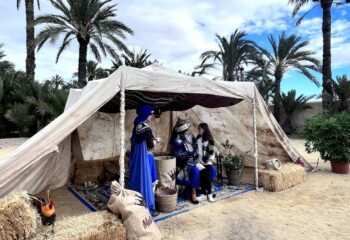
[{"x": 205, "y": 179}]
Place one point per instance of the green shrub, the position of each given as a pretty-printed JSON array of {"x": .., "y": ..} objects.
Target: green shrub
[
  {"x": 330, "y": 136},
  {"x": 233, "y": 162}
]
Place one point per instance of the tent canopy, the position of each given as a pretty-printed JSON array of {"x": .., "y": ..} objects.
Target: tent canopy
[
  {"x": 186, "y": 93},
  {"x": 44, "y": 159}
]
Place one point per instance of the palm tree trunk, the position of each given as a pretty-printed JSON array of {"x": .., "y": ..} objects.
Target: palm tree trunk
[
  {"x": 327, "y": 93},
  {"x": 30, "y": 60},
  {"x": 82, "y": 61},
  {"x": 277, "y": 99}
]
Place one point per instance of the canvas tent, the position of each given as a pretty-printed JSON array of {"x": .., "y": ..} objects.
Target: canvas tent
[
  {"x": 45, "y": 159},
  {"x": 96, "y": 112}
]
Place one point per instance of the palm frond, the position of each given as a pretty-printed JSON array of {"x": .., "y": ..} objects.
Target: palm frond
[
  {"x": 342, "y": 92},
  {"x": 298, "y": 4},
  {"x": 2, "y": 53},
  {"x": 291, "y": 103},
  {"x": 231, "y": 55},
  {"x": 91, "y": 22}
]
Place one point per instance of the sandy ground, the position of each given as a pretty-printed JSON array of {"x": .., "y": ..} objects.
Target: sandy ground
[
  {"x": 316, "y": 209},
  {"x": 67, "y": 205}
]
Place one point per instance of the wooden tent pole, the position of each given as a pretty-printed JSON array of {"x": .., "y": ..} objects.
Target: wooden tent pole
[{"x": 256, "y": 154}]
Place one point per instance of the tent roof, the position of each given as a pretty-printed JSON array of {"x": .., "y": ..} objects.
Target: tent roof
[{"x": 167, "y": 90}]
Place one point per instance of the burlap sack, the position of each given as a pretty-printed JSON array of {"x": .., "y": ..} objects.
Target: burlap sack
[
  {"x": 166, "y": 171},
  {"x": 138, "y": 222}
]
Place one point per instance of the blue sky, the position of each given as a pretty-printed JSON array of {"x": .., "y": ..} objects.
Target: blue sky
[{"x": 176, "y": 32}]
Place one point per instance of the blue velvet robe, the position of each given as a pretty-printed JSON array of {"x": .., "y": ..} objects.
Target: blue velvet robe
[{"x": 143, "y": 172}]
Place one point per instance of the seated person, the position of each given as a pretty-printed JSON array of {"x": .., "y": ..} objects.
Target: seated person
[
  {"x": 183, "y": 148},
  {"x": 206, "y": 156}
]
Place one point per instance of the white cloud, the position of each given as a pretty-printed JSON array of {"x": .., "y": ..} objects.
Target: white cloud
[
  {"x": 311, "y": 29},
  {"x": 175, "y": 32}
]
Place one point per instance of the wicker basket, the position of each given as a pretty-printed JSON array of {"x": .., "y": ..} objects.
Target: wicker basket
[{"x": 166, "y": 199}]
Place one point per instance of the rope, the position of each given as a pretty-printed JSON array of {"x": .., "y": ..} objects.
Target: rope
[
  {"x": 256, "y": 154},
  {"x": 122, "y": 134}
]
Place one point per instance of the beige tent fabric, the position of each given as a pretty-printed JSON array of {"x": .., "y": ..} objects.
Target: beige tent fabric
[
  {"x": 28, "y": 167},
  {"x": 99, "y": 135},
  {"x": 234, "y": 123}
]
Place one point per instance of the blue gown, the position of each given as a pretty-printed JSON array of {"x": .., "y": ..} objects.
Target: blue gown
[{"x": 143, "y": 172}]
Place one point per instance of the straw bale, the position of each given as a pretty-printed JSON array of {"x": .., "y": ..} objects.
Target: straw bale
[
  {"x": 87, "y": 171},
  {"x": 90, "y": 170},
  {"x": 91, "y": 226},
  {"x": 275, "y": 181},
  {"x": 18, "y": 219}
]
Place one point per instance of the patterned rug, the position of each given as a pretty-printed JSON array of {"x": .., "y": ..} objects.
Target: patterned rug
[{"x": 96, "y": 199}]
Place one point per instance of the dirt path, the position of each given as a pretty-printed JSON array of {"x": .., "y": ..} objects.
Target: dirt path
[{"x": 316, "y": 209}]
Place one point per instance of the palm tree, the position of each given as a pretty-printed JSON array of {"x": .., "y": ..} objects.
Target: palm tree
[
  {"x": 45, "y": 102},
  {"x": 262, "y": 76},
  {"x": 233, "y": 53},
  {"x": 266, "y": 89},
  {"x": 202, "y": 69},
  {"x": 342, "y": 92},
  {"x": 13, "y": 115},
  {"x": 288, "y": 53},
  {"x": 133, "y": 59},
  {"x": 30, "y": 39},
  {"x": 7, "y": 74},
  {"x": 292, "y": 104},
  {"x": 19, "y": 114},
  {"x": 91, "y": 23},
  {"x": 326, "y": 5},
  {"x": 93, "y": 71},
  {"x": 56, "y": 81},
  {"x": 2, "y": 53}
]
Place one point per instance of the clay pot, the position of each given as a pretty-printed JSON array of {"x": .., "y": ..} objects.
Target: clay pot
[
  {"x": 234, "y": 177},
  {"x": 340, "y": 167}
]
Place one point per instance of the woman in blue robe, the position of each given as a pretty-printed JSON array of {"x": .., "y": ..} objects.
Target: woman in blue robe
[
  {"x": 183, "y": 145},
  {"x": 143, "y": 173}
]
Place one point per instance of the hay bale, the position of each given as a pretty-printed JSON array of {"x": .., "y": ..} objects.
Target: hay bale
[
  {"x": 18, "y": 219},
  {"x": 275, "y": 181},
  {"x": 90, "y": 170},
  {"x": 91, "y": 226},
  {"x": 87, "y": 171}
]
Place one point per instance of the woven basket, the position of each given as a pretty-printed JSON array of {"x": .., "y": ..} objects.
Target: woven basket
[{"x": 166, "y": 199}]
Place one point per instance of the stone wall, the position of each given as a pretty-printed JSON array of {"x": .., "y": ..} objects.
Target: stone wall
[{"x": 299, "y": 118}]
